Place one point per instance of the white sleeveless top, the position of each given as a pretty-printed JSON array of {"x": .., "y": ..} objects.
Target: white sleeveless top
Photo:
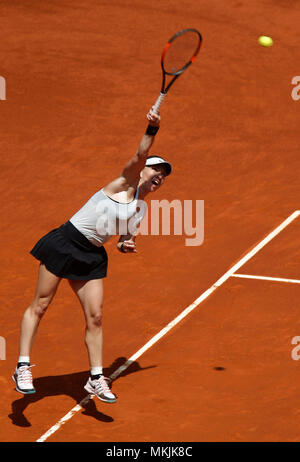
[{"x": 102, "y": 217}]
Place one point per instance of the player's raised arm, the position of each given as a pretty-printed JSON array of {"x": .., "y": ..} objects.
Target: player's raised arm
[
  {"x": 130, "y": 174},
  {"x": 132, "y": 169}
]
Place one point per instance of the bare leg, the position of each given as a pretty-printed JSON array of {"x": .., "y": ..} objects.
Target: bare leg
[
  {"x": 90, "y": 294},
  {"x": 46, "y": 288}
]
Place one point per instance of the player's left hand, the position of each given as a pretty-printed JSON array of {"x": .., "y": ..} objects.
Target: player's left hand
[{"x": 129, "y": 246}]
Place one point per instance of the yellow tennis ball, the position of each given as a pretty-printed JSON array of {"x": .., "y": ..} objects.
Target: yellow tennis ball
[{"x": 265, "y": 41}]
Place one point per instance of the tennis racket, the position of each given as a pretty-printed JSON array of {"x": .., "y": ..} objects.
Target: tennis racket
[{"x": 178, "y": 54}]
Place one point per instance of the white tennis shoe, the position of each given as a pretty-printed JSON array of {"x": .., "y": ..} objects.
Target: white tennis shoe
[
  {"x": 23, "y": 379},
  {"x": 100, "y": 388}
]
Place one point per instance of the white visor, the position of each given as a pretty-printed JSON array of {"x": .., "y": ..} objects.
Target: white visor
[{"x": 159, "y": 161}]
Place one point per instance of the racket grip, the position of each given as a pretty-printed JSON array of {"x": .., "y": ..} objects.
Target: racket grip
[{"x": 158, "y": 102}]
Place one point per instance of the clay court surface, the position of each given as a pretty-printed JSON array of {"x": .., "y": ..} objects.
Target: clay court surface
[{"x": 80, "y": 77}]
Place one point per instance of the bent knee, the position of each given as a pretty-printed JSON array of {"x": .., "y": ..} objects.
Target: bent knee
[
  {"x": 40, "y": 306},
  {"x": 94, "y": 321}
]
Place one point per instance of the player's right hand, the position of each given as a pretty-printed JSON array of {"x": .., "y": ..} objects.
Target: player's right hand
[{"x": 153, "y": 117}]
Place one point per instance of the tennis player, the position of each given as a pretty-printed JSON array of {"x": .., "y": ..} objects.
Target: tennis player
[{"x": 75, "y": 251}]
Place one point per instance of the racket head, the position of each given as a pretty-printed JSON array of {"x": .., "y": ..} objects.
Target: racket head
[{"x": 180, "y": 51}]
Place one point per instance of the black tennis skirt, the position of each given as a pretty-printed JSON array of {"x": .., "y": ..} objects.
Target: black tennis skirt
[{"x": 67, "y": 253}]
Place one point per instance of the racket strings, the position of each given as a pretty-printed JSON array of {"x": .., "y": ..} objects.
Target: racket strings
[{"x": 180, "y": 52}]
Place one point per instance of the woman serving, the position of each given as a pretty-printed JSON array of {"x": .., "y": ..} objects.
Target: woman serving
[{"x": 75, "y": 251}]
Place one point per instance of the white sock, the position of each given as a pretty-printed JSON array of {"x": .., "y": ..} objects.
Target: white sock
[
  {"x": 24, "y": 359},
  {"x": 96, "y": 370}
]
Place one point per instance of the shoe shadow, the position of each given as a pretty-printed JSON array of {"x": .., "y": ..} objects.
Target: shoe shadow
[{"x": 70, "y": 385}]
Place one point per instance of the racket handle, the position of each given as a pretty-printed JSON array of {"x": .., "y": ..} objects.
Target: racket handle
[{"x": 158, "y": 102}]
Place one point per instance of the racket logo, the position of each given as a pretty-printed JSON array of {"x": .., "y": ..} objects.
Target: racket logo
[{"x": 164, "y": 52}]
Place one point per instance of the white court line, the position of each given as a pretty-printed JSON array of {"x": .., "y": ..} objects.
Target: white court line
[
  {"x": 175, "y": 321},
  {"x": 266, "y": 278}
]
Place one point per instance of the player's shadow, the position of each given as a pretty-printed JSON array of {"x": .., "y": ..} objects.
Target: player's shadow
[{"x": 70, "y": 385}]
